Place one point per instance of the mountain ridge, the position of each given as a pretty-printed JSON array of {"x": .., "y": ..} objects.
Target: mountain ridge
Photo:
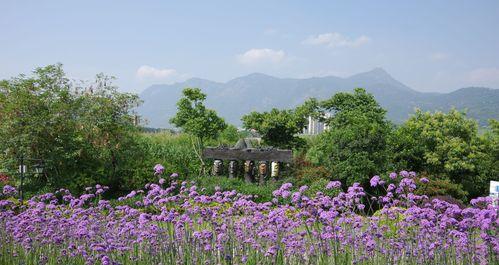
[{"x": 260, "y": 92}]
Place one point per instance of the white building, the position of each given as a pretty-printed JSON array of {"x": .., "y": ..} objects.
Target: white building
[
  {"x": 315, "y": 127},
  {"x": 494, "y": 191}
]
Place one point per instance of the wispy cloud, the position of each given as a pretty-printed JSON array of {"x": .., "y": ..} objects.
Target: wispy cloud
[
  {"x": 335, "y": 39},
  {"x": 146, "y": 71},
  {"x": 324, "y": 73},
  {"x": 270, "y": 31},
  {"x": 255, "y": 56},
  {"x": 439, "y": 56}
]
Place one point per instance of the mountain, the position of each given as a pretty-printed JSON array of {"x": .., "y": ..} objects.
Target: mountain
[{"x": 260, "y": 92}]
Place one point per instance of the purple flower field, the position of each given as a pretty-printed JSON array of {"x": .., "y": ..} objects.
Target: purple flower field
[{"x": 172, "y": 223}]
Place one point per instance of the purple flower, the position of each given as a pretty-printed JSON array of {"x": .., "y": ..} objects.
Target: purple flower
[
  {"x": 105, "y": 260},
  {"x": 161, "y": 218},
  {"x": 393, "y": 175},
  {"x": 375, "y": 181},
  {"x": 333, "y": 185},
  {"x": 303, "y": 189},
  {"x": 286, "y": 186},
  {"x": 404, "y": 174},
  {"x": 159, "y": 169},
  {"x": 424, "y": 180},
  {"x": 9, "y": 190}
]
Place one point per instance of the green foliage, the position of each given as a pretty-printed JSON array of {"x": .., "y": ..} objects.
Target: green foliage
[
  {"x": 278, "y": 128},
  {"x": 305, "y": 173},
  {"x": 489, "y": 164},
  {"x": 443, "y": 186},
  {"x": 194, "y": 118},
  {"x": 318, "y": 185},
  {"x": 445, "y": 146},
  {"x": 354, "y": 148},
  {"x": 390, "y": 221},
  {"x": 263, "y": 193},
  {"x": 173, "y": 151},
  {"x": 84, "y": 134},
  {"x": 229, "y": 136}
]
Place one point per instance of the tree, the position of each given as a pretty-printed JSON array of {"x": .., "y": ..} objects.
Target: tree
[
  {"x": 229, "y": 135},
  {"x": 82, "y": 133},
  {"x": 445, "y": 145},
  {"x": 492, "y": 136},
  {"x": 106, "y": 120},
  {"x": 195, "y": 119},
  {"x": 489, "y": 165},
  {"x": 354, "y": 148},
  {"x": 279, "y": 128}
]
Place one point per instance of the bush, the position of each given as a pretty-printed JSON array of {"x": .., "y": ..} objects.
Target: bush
[
  {"x": 443, "y": 186},
  {"x": 262, "y": 193},
  {"x": 173, "y": 151},
  {"x": 83, "y": 133},
  {"x": 449, "y": 146}
]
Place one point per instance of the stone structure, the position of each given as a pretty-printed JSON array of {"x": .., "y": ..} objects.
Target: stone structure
[{"x": 262, "y": 158}]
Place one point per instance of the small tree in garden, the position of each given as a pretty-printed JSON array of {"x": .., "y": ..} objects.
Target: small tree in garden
[
  {"x": 279, "y": 127},
  {"x": 195, "y": 119}
]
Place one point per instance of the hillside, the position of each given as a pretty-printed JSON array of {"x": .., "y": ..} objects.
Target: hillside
[{"x": 262, "y": 92}]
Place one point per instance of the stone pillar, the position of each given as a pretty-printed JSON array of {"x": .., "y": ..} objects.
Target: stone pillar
[
  {"x": 232, "y": 169},
  {"x": 248, "y": 171},
  {"x": 217, "y": 167},
  {"x": 262, "y": 172},
  {"x": 274, "y": 170}
]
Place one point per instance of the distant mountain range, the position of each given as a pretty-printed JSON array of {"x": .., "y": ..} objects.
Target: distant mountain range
[{"x": 260, "y": 92}]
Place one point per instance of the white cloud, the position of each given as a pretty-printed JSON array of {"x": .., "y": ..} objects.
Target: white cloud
[
  {"x": 334, "y": 40},
  {"x": 255, "y": 56},
  {"x": 485, "y": 77},
  {"x": 324, "y": 73},
  {"x": 439, "y": 56},
  {"x": 270, "y": 31},
  {"x": 146, "y": 71}
]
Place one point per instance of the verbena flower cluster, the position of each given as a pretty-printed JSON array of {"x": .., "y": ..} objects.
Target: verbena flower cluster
[{"x": 172, "y": 223}]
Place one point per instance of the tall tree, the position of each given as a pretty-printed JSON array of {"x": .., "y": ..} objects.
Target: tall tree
[
  {"x": 78, "y": 131},
  {"x": 194, "y": 118},
  {"x": 354, "y": 148}
]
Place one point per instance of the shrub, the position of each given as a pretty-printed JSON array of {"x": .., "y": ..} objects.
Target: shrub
[{"x": 444, "y": 187}]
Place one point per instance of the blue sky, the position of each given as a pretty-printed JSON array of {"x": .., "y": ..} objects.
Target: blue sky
[{"x": 428, "y": 45}]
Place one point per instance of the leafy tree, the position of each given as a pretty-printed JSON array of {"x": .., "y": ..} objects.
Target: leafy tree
[
  {"x": 354, "y": 148},
  {"x": 195, "y": 119},
  {"x": 229, "y": 135},
  {"x": 492, "y": 137},
  {"x": 106, "y": 122},
  {"x": 445, "y": 145},
  {"x": 82, "y": 133},
  {"x": 489, "y": 164},
  {"x": 279, "y": 128}
]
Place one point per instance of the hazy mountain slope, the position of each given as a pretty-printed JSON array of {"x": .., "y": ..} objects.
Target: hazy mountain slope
[
  {"x": 479, "y": 102},
  {"x": 262, "y": 92}
]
